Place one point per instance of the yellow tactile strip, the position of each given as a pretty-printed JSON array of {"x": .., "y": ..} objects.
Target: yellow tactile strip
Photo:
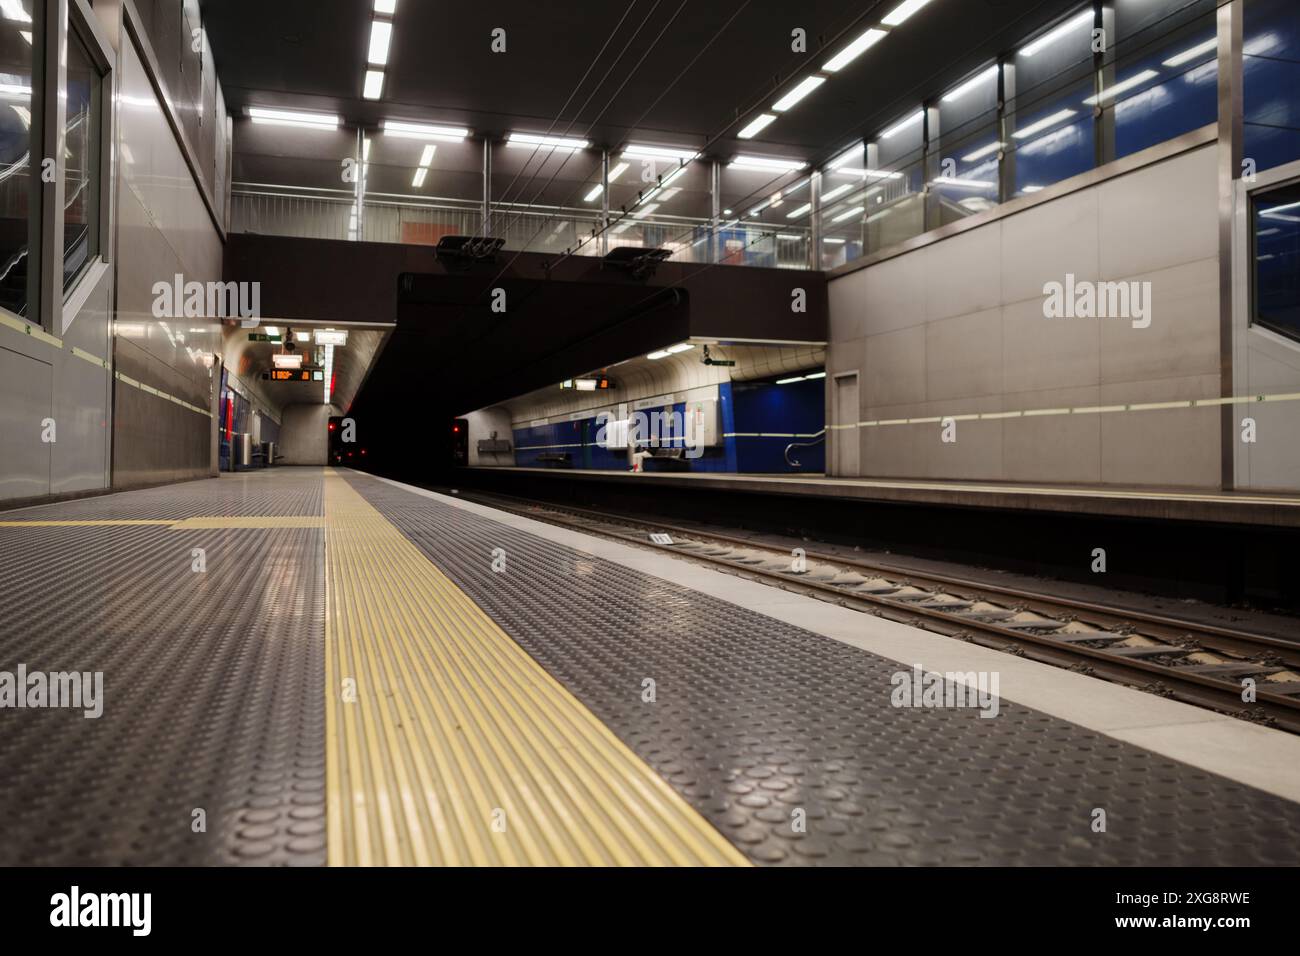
[{"x": 447, "y": 744}]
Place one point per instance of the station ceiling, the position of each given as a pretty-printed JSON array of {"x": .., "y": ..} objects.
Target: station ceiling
[{"x": 672, "y": 71}]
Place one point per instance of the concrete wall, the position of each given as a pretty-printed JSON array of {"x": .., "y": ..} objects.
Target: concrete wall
[
  {"x": 481, "y": 426},
  {"x": 304, "y": 435},
  {"x": 957, "y": 327}
]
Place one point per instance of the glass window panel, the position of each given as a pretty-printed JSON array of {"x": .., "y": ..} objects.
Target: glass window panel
[
  {"x": 1271, "y": 88},
  {"x": 81, "y": 161},
  {"x": 537, "y": 196},
  {"x": 1275, "y": 222},
  {"x": 19, "y": 190}
]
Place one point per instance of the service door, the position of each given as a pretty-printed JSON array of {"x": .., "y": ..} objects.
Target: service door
[{"x": 846, "y": 440}]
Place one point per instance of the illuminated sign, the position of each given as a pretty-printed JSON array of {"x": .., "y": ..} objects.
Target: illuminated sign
[
  {"x": 287, "y": 360},
  {"x": 331, "y": 337},
  {"x": 296, "y": 375}
]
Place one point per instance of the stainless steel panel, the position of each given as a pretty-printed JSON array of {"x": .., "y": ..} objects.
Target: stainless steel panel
[{"x": 25, "y": 401}]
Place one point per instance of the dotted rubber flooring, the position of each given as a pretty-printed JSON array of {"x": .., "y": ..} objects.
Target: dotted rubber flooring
[
  {"x": 763, "y": 727},
  {"x": 210, "y": 747}
]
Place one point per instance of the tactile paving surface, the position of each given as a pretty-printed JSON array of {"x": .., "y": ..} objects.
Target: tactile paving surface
[
  {"x": 755, "y": 720},
  {"x": 213, "y": 681}
]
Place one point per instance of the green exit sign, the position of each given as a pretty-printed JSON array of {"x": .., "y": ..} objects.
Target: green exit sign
[{"x": 262, "y": 337}]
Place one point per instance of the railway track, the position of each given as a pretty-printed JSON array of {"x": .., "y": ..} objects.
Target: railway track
[{"x": 1200, "y": 664}]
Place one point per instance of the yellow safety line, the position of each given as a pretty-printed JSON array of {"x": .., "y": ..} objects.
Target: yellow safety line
[
  {"x": 445, "y": 727},
  {"x": 251, "y": 521}
]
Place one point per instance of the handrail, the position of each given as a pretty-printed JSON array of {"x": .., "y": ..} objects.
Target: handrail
[{"x": 817, "y": 440}]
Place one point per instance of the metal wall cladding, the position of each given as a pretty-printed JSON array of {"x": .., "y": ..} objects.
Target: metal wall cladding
[
  {"x": 164, "y": 230},
  {"x": 28, "y": 400}
]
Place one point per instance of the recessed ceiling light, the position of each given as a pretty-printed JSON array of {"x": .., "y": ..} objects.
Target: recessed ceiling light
[
  {"x": 427, "y": 156},
  {"x": 386, "y": 6},
  {"x": 764, "y": 162},
  {"x": 420, "y": 131},
  {"x": 847, "y": 214},
  {"x": 851, "y": 52},
  {"x": 901, "y": 12},
  {"x": 374, "y": 84},
  {"x": 290, "y": 118},
  {"x": 837, "y": 192},
  {"x": 660, "y": 152},
  {"x": 420, "y": 174},
  {"x": 981, "y": 152},
  {"x": 381, "y": 34},
  {"x": 799, "y": 92},
  {"x": 537, "y": 139},
  {"x": 801, "y": 211},
  {"x": 756, "y": 126}
]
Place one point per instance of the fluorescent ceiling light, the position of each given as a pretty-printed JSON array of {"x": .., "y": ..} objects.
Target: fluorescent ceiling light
[
  {"x": 1120, "y": 87},
  {"x": 300, "y": 336},
  {"x": 764, "y": 162},
  {"x": 799, "y": 92},
  {"x": 1042, "y": 124},
  {"x": 405, "y": 130},
  {"x": 837, "y": 192},
  {"x": 331, "y": 337},
  {"x": 1278, "y": 209},
  {"x": 289, "y": 118},
  {"x": 386, "y": 6},
  {"x": 595, "y": 192},
  {"x": 26, "y": 35},
  {"x": 787, "y": 381},
  {"x": 981, "y": 152},
  {"x": 661, "y": 354},
  {"x": 645, "y": 211},
  {"x": 756, "y": 126},
  {"x": 851, "y": 52},
  {"x": 420, "y": 174},
  {"x": 660, "y": 152},
  {"x": 381, "y": 34},
  {"x": 976, "y": 80},
  {"x": 16, "y": 90},
  {"x": 834, "y": 242},
  {"x": 1050, "y": 37},
  {"x": 427, "y": 156},
  {"x": 1031, "y": 189},
  {"x": 13, "y": 10},
  {"x": 899, "y": 127},
  {"x": 679, "y": 347},
  {"x": 788, "y": 236},
  {"x": 878, "y": 215},
  {"x": 374, "y": 87},
  {"x": 537, "y": 139},
  {"x": 1268, "y": 232},
  {"x": 855, "y": 211},
  {"x": 1178, "y": 59},
  {"x": 801, "y": 211},
  {"x": 815, "y": 375},
  {"x": 901, "y": 12},
  {"x": 268, "y": 330}
]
